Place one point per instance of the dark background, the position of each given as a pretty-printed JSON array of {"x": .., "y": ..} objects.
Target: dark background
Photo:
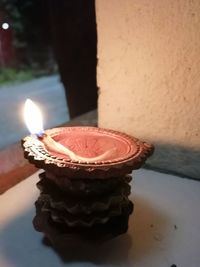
[{"x": 52, "y": 36}]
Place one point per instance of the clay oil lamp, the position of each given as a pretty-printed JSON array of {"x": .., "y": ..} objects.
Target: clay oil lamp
[{"x": 84, "y": 189}]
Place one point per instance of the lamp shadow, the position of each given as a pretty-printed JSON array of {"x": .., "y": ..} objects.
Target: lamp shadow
[
  {"x": 175, "y": 159},
  {"x": 111, "y": 252},
  {"x": 23, "y": 247}
]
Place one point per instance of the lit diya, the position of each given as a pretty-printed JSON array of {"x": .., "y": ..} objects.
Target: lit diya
[{"x": 85, "y": 187}]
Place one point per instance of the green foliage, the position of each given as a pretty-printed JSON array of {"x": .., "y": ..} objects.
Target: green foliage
[{"x": 10, "y": 75}]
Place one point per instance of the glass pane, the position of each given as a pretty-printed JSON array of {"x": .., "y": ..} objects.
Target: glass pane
[
  {"x": 27, "y": 69},
  {"x": 31, "y": 33}
]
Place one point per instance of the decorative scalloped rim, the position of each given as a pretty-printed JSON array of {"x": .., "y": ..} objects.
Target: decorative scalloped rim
[
  {"x": 36, "y": 153},
  {"x": 67, "y": 187},
  {"x": 41, "y": 224},
  {"x": 97, "y": 205},
  {"x": 82, "y": 222}
]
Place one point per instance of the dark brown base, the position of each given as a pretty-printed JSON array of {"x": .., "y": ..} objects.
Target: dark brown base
[
  {"x": 82, "y": 213},
  {"x": 79, "y": 243},
  {"x": 61, "y": 235}
]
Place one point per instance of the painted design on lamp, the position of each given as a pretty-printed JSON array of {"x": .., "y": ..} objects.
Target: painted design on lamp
[{"x": 34, "y": 123}]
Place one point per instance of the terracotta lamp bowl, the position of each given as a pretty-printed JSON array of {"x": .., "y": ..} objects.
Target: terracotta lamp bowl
[{"x": 127, "y": 153}]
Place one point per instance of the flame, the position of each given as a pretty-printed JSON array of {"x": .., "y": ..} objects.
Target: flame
[{"x": 33, "y": 118}]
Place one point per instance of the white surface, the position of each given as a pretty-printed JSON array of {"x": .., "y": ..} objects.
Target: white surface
[{"x": 161, "y": 201}]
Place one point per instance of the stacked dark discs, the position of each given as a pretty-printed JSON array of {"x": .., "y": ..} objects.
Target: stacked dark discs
[{"x": 84, "y": 209}]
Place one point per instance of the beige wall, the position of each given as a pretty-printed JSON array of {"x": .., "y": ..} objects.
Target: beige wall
[{"x": 149, "y": 76}]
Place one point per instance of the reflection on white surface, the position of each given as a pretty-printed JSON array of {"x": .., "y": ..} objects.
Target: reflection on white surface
[{"x": 161, "y": 202}]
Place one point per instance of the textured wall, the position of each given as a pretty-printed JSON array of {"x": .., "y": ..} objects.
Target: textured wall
[{"x": 149, "y": 76}]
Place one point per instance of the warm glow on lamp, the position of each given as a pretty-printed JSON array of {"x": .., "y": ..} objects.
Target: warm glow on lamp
[
  {"x": 34, "y": 122},
  {"x": 33, "y": 118}
]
